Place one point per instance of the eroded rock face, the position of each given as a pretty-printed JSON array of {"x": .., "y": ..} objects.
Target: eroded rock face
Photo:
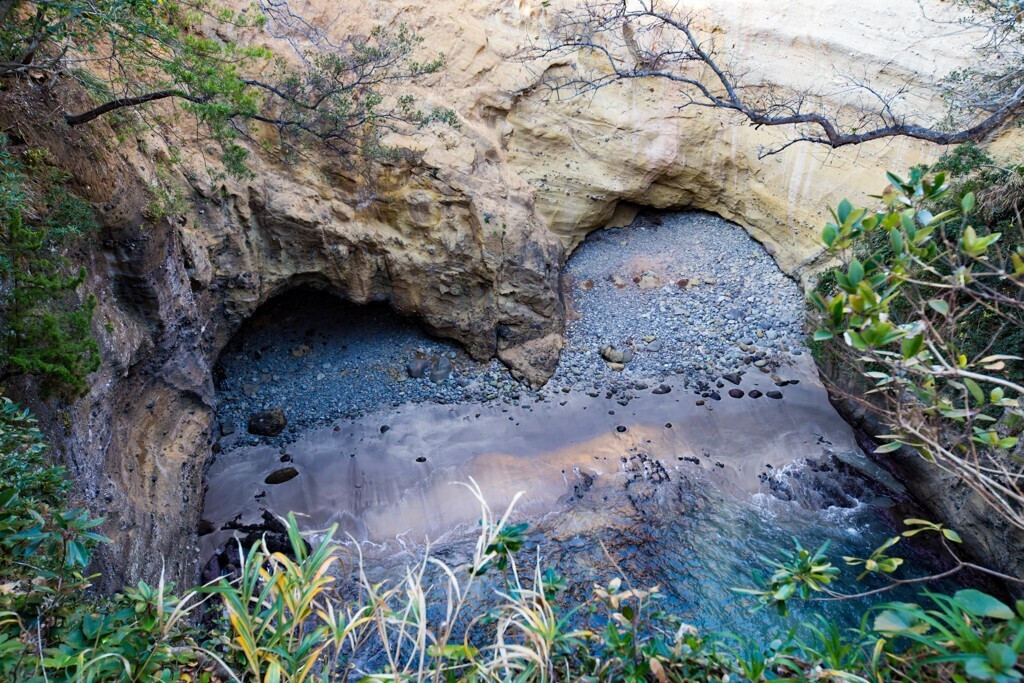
[{"x": 468, "y": 235}]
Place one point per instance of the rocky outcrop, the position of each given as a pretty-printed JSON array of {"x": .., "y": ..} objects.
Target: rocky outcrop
[{"x": 467, "y": 234}]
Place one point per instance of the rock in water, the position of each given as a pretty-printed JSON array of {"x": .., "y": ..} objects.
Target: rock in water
[
  {"x": 268, "y": 422},
  {"x": 281, "y": 476},
  {"x": 736, "y": 393}
]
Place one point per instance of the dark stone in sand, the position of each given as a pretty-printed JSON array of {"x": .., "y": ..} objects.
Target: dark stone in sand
[
  {"x": 663, "y": 389},
  {"x": 736, "y": 393},
  {"x": 286, "y": 458},
  {"x": 733, "y": 377},
  {"x": 384, "y": 429},
  {"x": 668, "y": 425},
  {"x": 754, "y": 393},
  {"x": 227, "y": 428},
  {"x": 421, "y": 459},
  {"x": 205, "y": 527},
  {"x": 700, "y": 402},
  {"x": 281, "y": 476},
  {"x": 620, "y": 429},
  {"x": 715, "y": 396},
  {"x": 268, "y": 422},
  {"x": 774, "y": 394}
]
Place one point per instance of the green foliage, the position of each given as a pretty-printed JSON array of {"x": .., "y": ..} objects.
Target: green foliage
[
  {"x": 930, "y": 307},
  {"x": 799, "y": 574},
  {"x": 46, "y": 326},
  {"x": 129, "y": 53},
  {"x": 23, "y": 465}
]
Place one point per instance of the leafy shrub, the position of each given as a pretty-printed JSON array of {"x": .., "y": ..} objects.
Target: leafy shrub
[
  {"x": 928, "y": 307},
  {"x": 46, "y": 326}
]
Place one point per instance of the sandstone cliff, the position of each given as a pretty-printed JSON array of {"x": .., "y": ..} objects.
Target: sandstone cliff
[{"x": 468, "y": 236}]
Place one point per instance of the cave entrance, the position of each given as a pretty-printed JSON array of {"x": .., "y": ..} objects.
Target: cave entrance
[
  {"x": 676, "y": 293},
  {"x": 307, "y": 357}
]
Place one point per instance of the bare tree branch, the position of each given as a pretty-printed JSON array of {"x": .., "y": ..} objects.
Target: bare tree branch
[{"x": 634, "y": 40}]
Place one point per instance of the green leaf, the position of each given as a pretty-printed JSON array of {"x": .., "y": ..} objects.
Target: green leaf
[
  {"x": 912, "y": 346},
  {"x": 843, "y": 210},
  {"x": 828, "y": 235},
  {"x": 889, "y": 447},
  {"x": 856, "y": 272},
  {"x": 982, "y": 604},
  {"x": 967, "y": 203},
  {"x": 975, "y": 390},
  {"x": 892, "y": 621},
  {"x": 823, "y": 335},
  {"x": 939, "y": 306}
]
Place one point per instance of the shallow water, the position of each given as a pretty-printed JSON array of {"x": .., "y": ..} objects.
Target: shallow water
[{"x": 681, "y": 491}]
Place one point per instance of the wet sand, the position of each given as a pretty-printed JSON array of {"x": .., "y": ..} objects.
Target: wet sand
[{"x": 399, "y": 484}]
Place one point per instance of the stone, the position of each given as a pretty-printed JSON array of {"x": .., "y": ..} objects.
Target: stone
[
  {"x": 663, "y": 389},
  {"x": 270, "y": 422},
  {"x": 611, "y": 354},
  {"x": 648, "y": 280},
  {"x": 655, "y": 346},
  {"x": 774, "y": 394},
  {"x": 301, "y": 351},
  {"x": 281, "y": 476},
  {"x": 754, "y": 393},
  {"x": 736, "y": 393},
  {"x": 227, "y": 427},
  {"x": 440, "y": 371},
  {"x": 733, "y": 377},
  {"x": 417, "y": 368}
]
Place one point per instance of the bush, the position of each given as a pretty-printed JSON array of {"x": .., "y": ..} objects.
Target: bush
[
  {"x": 46, "y": 326},
  {"x": 929, "y": 307}
]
